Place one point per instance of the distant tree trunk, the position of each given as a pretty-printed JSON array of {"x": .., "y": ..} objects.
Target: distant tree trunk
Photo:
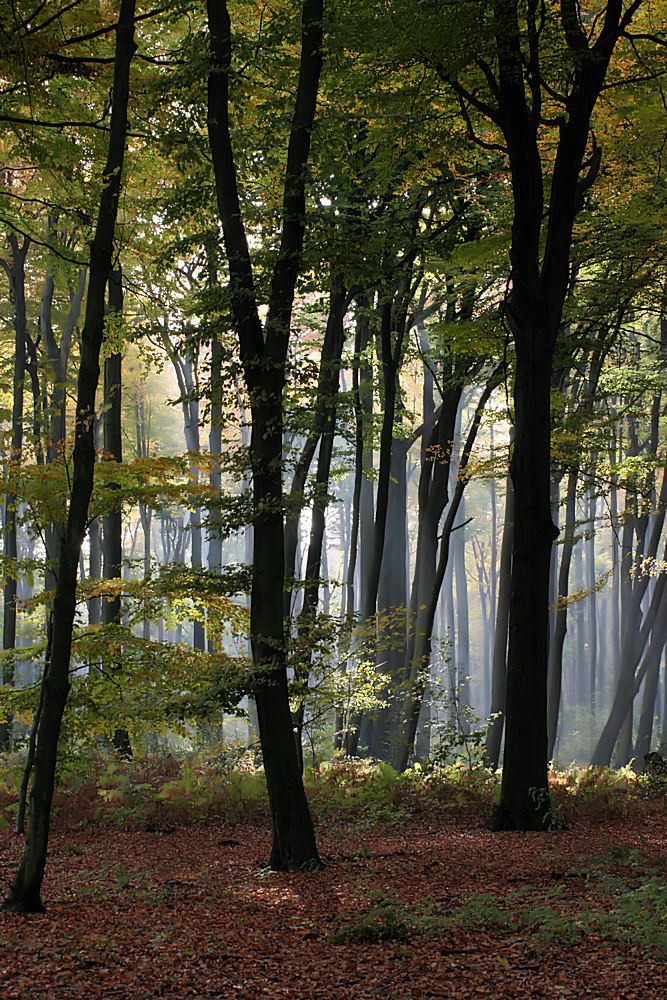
[
  {"x": 112, "y": 527},
  {"x": 58, "y": 357},
  {"x": 493, "y": 568},
  {"x": 327, "y": 409},
  {"x": 652, "y": 658},
  {"x": 15, "y": 270},
  {"x": 392, "y": 600},
  {"x": 629, "y": 678},
  {"x": 560, "y": 630},
  {"x": 592, "y": 603},
  {"x": 327, "y": 388},
  {"x": 393, "y": 327},
  {"x": 342, "y": 731},
  {"x": 462, "y": 623},
  {"x": 581, "y": 679},
  {"x": 24, "y": 895},
  {"x": 433, "y": 548},
  {"x": 498, "y": 663},
  {"x": 145, "y": 510}
]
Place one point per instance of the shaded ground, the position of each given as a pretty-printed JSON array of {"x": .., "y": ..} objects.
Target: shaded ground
[{"x": 467, "y": 913}]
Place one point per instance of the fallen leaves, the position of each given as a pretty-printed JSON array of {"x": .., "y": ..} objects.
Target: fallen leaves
[{"x": 193, "y": 914}]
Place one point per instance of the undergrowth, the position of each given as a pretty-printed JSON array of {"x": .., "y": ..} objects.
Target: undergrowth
[{"x": 156, "y": 793}]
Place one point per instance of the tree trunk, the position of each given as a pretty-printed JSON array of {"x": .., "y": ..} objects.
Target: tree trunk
[
  {"x": 524, "y": 803},
  {"x": 592, "y": 604},
  {"x": 112, "y": 525},
  {"x": 498, "y": 665},
  {"x": 560, "y": 630},
  {"x": 652, "y": 660},
  {"x": 263, "y": 356},
  {"x": 24, "y": 895},
  {"x": 15, "y": 270}
]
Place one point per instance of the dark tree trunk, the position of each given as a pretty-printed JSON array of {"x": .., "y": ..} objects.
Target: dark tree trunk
[
  {"x": 15, "y": 269},
  {"x": 327, "y": 409},
  {"x": 539, "y": 273},
  {"x": 215, "y": 448},
  {"x": 392, "y": 600},
  {"x": 263, "y": 356},
  {"x": 24, "y": 895},
  {"x": 112, "y": 524},
  {"x": 524, "y": 802}
]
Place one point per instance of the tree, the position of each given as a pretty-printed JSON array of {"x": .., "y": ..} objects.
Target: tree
[
  {"x": 525, "y": 99},
  {"x": 263, "y": 348},
  {"x": 24, "y": 895}
]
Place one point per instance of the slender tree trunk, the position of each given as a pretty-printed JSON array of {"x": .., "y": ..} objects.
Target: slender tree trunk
[
  {"x": 433, "y": 557},
  {"x": 592, "y": 604},
  {"x": 15, "y": 269},
  {"x": 462, "y": 624},
  {"x": 560, "y": 630},
  {"x": 652, "y": 659},
  {"x": 24, "y": 895},
  {"x": 313, "y": 571},
  {"x": 501, "y": 632},
  {"x": 392, "y": 601},
  {"x": 629, "y": 677},
  {"x": 112, "y": 526}
]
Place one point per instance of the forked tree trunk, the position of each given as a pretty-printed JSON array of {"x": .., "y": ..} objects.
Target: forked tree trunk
[
  {"x": 263, "y": 356},
  {"x": 539, "y": 277}
]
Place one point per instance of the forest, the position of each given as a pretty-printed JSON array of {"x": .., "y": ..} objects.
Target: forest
[{"x": 334, "y": 414}]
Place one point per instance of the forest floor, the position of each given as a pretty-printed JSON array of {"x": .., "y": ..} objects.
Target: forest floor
[{"x": 434, "y": 906}]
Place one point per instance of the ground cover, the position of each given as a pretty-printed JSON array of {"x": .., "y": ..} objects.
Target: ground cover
[{"x": 421, "y": 902}]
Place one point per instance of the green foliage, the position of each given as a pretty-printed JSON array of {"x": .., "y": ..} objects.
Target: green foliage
[
  {"x": 459, "y": 738},
  {"x": 388, "y": 919},
  {"x": 634, "y": 917}
]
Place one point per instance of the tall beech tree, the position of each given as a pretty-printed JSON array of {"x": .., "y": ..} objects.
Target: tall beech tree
[
  {"x": 24, "y": 895},
  {"x": 510, "y": 81},
  {"x": 263, "y": 348}
]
